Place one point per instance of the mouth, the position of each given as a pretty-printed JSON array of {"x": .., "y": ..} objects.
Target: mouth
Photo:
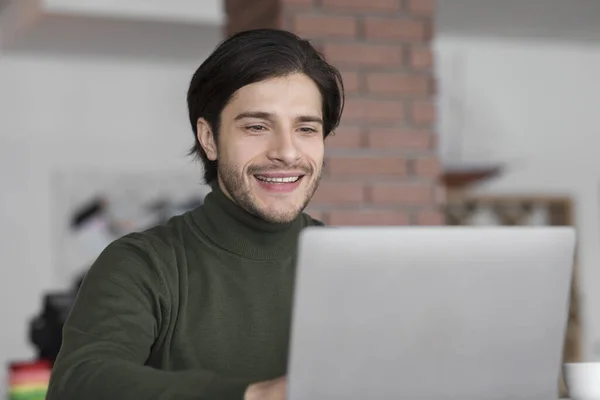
[
  {"x": 279, "y": 183},
  {"x": 276, "y": 180}
]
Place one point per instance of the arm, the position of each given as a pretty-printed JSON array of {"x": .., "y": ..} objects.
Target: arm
[{"x": 110, "y": 332}]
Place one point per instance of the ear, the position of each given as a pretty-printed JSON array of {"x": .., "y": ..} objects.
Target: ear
[{"x": 207, "y": 139}]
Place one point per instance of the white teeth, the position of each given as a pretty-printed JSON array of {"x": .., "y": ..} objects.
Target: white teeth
[{"x": 289, "y": 179}]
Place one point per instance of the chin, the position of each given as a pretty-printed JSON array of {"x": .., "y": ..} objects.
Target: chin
[
  {"x": 279, "y": 214},
  {"x": 278, "y": 206},
  {"x": 280, "y": 218},
  {"x": 279, "y": 202}
]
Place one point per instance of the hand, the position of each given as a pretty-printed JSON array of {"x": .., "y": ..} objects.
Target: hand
[{"x": 275, "y": 389}]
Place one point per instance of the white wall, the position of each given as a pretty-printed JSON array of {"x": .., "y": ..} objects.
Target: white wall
[
  {"x": 534, "y": 104},
  {"x": 61, "y": 110}
]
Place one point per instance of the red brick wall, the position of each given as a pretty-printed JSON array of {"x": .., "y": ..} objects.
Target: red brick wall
[{"x": 382, "y": 165}]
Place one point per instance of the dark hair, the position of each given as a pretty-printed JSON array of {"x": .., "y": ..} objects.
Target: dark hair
[{"x": 253, "y": 56}]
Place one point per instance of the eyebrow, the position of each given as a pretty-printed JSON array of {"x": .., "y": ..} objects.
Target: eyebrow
[{"x": 271, "y": 116}]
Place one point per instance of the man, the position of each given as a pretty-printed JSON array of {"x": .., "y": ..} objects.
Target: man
[{"x": 200, "y": 308}]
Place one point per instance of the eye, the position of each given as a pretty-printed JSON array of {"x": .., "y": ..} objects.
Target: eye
[
  {"x": 308, "y": 129},
  {"x": 256, "y": 128}
]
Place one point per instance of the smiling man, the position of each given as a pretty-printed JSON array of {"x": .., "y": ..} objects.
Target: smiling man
[
  {"x": 200, "y": 308},
  {"x": 269, "y": 149}
]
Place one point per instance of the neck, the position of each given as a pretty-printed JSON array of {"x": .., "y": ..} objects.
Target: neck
[{"x": 234, "y": 229}]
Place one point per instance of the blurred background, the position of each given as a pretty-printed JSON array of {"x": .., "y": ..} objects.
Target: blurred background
[{"x": 459, "y": 112}]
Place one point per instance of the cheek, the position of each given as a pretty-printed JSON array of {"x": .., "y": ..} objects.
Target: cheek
[
  {"x": 244, "y": 153},
  {"x": 315, "y": 151}
]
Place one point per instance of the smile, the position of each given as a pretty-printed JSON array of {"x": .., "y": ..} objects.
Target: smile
[{"x": 287, "y": 179}]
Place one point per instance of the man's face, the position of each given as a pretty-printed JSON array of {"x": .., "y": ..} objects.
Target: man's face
[{"x": 270, "y": 146}]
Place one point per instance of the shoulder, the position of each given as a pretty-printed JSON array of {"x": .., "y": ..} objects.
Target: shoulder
[
  {"x": 151, "y": 245},
  {"x": 164, "y": 242},
  {"x": 160, "y": 242},
  {"x": 146, "y": 256},
  {"x": 129, "y": 260}
]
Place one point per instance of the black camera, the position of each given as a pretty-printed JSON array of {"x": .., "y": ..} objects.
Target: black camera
[{"x": 45, "y": 330}]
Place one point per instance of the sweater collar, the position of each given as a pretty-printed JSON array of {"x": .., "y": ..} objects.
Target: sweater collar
[{"x": 234, "y": 229}]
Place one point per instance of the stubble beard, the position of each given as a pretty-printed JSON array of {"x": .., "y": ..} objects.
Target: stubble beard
[{"x": 241, "y": 193}]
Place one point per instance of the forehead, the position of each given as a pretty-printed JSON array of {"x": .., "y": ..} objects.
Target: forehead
[{"x": 283, "y": 96}]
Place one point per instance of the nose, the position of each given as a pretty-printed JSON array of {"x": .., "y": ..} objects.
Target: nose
[{"x": 283, "y": 148}]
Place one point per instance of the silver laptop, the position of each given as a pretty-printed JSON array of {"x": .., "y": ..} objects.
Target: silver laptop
[{"x": 386, "y": 313}]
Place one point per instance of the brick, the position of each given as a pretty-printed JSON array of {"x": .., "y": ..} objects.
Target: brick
[
  {"x": 319, "y": 46},
  {"x": 339, "y": 193},
  {"x": 367, "y": 110},
  {"x": 427, "y": 167},
  {"x": 362, "y": 5},
  {"x": 433, "y": 85},
  {"x": 352, "y": 82},
  {"x": 421, "y": 7},
  {"x": 234, "y": 6},
  {"x": 430, "y": 218},
  {"x": 262, "y": 14},
  {"x": 305, "y": 3},
  {"x": 403, "y": 194},
  {"x": 420, "y": 58},
  {"x": 284, "y": 21},
  {"x": 398, "y": 84},
  {"x": 380, "y": 138},
  {"x": 397, "y": 29},
  {"x": 344, "y": 138},
  {"x": 370, "y": 166},
  {"x": 325, "y": 26},
  {"x": 362, "y": 54},
  {"x": 422, "y": 113},
  {"x": 440, "y": 194},
  {"x": 368, "y": 217}
]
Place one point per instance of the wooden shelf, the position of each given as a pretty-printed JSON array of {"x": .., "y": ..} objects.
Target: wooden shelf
[{"x": 459, "y": 177}]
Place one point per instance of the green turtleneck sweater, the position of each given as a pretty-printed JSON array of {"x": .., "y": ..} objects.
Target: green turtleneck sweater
[{"x": 198, "y": 308}]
